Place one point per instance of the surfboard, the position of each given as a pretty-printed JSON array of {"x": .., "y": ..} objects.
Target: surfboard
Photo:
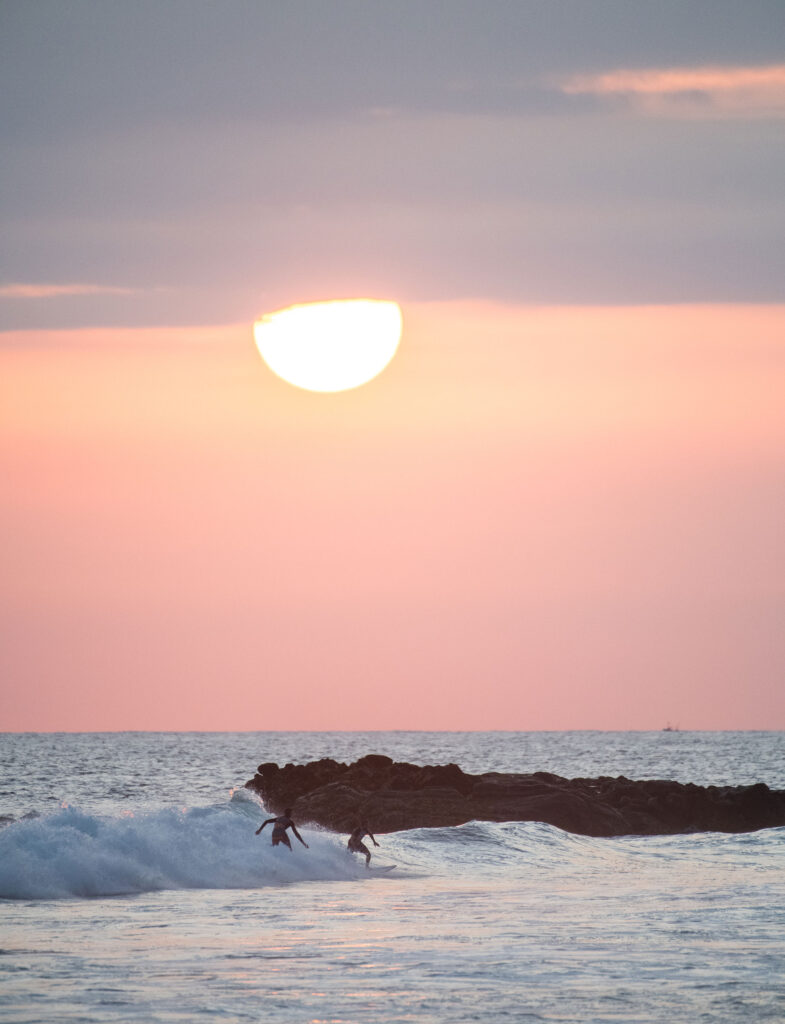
[{"x": 381, "y": 868}]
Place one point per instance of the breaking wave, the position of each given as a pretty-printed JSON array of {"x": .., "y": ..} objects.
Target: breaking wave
[{"x": 74, "y": 854}]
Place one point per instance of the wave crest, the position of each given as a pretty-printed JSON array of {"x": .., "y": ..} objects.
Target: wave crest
[{"x": 74, "y": 854}]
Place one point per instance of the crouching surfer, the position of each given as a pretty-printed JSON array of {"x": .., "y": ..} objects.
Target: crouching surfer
[
  {"x": 280, "y": 825},
  {"x": 356, "y": 844}
]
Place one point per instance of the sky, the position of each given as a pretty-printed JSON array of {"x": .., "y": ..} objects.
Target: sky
[{"x": 559, "y": 507}]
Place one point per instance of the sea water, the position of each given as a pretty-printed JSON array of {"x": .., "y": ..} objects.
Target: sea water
[{"x": 133, "y": 888}]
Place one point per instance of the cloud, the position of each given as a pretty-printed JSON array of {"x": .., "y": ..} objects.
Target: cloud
[
  {"x": 691, "y": 92},
  {"x": 55, "y": 291}
]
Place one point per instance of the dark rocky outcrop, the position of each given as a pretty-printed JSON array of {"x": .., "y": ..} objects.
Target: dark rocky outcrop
[{"x": 393, "y": 796}]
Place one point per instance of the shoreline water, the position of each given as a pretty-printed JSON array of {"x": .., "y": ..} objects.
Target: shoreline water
[{"x": 149, "y": 898}]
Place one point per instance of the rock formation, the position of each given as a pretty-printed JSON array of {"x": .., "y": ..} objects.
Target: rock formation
[{"x": 392, "y": 796}]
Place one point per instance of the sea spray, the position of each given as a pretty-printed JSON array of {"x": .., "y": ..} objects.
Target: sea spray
[{"x": 74, "y": 854}]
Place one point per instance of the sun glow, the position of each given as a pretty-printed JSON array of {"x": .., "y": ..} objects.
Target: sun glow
[{"x": 330, "y": 346}]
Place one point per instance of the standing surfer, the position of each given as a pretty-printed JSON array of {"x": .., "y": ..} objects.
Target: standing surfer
[
  {"x": 356, "y": 844},
  {"x": 280, "y": 825}
]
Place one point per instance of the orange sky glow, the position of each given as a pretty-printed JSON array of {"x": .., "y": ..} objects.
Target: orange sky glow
[{"x": 730, "y": 90}]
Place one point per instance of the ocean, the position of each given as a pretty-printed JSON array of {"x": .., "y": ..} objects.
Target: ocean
[{"x": 133, "y": 888}]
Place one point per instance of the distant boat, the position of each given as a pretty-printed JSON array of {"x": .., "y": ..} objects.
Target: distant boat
[{"x": 670, "y": 728}]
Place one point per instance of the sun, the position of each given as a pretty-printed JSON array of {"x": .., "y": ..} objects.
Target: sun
[{"x": 330, "y": 346}]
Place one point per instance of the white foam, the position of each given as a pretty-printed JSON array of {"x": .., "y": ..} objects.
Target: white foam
[{"x": 71, "y": 853}]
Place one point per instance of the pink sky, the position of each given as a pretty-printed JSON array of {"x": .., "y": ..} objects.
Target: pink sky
[{"x": 535, "y": 518}]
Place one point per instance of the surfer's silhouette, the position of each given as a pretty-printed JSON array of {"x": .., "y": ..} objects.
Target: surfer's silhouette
[
  {"x": 280, "y": 825},
  {"x": 356, "y": 844}
]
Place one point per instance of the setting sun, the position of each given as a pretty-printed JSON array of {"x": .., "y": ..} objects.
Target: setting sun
[{"x": 330, "y": 346}]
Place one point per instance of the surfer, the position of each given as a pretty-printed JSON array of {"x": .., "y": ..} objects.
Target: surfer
[
  {"x": 356, "y": 844},
  {"x": 280, "y": 825}
]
